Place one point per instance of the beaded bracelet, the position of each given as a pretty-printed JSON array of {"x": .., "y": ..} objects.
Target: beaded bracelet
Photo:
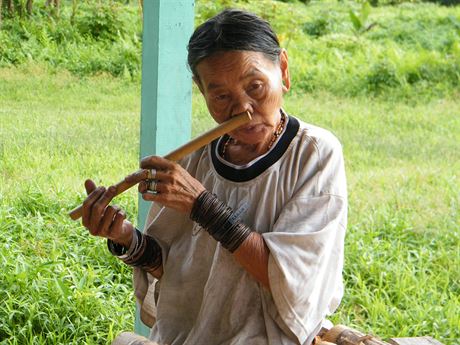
[
  {"x": 144, "y": 252},
  {"x": 219, "y": 221}
]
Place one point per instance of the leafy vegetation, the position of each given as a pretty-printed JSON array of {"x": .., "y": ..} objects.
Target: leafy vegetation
[
  {"x": 94, "y": 37},
  {"x": 405, "y": 51},
  {"x": 69, "y": 109},
  {"x": 345, "y": 48}
]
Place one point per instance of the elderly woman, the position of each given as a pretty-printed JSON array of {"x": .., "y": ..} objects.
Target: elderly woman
[{"x": 244, "y": 239}]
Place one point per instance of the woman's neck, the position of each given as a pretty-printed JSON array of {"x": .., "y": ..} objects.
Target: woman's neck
[{"x": 241, "y": 153}]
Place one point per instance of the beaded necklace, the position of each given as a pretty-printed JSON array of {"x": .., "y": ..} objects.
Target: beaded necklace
[{"x": 279, "y": 129}]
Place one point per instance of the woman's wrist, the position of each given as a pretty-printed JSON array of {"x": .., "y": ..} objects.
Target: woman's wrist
[
  {"x": 128, "y": 235},
  {"x": 219, "y": 221},
  {"x": 143, "y": 252}
]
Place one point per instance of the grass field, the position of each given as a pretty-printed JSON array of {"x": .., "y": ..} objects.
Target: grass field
[
  {"x": 391, "y": 95},
  {"x": 59, "y": 286}
]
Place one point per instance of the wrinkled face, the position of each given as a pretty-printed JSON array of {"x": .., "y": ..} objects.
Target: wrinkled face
[{"x": 236, "y": 81}]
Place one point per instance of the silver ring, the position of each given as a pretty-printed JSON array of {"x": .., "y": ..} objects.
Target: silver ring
[
  {"x": 151, "y": 174},
  {"x": 152, "y": 186}
]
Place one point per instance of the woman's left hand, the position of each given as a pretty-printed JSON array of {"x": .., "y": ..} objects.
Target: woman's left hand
[{"x": 175, "y": 187}]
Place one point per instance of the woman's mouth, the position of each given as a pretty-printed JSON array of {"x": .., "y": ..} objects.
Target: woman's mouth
[{"x": 250, "y": 128}]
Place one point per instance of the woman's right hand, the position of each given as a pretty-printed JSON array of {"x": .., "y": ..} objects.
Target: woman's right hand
[{"x": 104, "y": 220}]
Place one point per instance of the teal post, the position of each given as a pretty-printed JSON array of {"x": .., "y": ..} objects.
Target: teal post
[{"x": 166, "y": 86}]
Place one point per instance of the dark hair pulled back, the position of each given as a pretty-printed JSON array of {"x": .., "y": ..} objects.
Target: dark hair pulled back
[{"x": 232, "y": 29}]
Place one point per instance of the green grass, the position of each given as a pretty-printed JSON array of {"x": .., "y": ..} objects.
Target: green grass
[
  {"x": 60, "y": 286},
  {"x": 390, "y": 95}
]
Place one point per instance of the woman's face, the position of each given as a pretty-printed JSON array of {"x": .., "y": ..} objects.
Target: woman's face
[{"x": 236, "y": 81}]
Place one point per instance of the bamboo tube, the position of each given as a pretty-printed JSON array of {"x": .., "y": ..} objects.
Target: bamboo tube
[
  {"x": 183, "y": 151},
  {"x": 343, "y": 335}
]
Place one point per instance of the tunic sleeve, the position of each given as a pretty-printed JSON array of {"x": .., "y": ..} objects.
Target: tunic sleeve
[{"x": 306, "y": 245}]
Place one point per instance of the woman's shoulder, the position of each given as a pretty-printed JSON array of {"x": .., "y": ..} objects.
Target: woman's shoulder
[
  {"x": 308, "y": 131},
  {"x": 323, "y": 140},
  {"x": 318, "y": 155}
]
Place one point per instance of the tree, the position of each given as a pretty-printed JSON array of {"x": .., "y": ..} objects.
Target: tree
[
  {"x": 15, "y": 7},
  {"x": 29, "y": 6},
  {"x": 10, "y": 5},
  {"x": 54, "y": 6}
]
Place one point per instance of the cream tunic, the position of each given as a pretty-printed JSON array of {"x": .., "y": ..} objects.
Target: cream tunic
[{"x": 295, "y": 196}]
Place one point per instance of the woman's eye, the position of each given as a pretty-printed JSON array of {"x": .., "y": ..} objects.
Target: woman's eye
[
  {"x": 221, "y": 97},
  {"x": 256, "y": 88}
]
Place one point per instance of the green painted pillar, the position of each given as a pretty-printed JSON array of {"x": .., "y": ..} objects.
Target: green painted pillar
[{"x": 166, "y": 86}]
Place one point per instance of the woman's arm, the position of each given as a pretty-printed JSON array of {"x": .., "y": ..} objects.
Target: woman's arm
[
  {"x": 157, "y": 273},
  {"x": 177, "y": 189},
  {"x": 253, "y": 255}
]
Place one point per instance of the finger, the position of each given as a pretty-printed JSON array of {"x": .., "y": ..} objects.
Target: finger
[
  {"x": 156, "y": 162},
  {"x": 169, "y": 191},
  {"x": 165, "y": 175},
  {"x": 88, "y": 205},
  {"x": 173, "y": 181},
  {"x": 142, "y": 180},
  {"x": 162, "y": 188},
  {"x": 143, "y": 187},
  {"x": 138, "y": 176},
  {"x": 157, "y": 187},
  {"x": 162, "y": 196},
  {"x": 89, "y": 186},
  {"x": 99, "y": 206},
  {"x": 147, "y": 196},
  {"x": 107, "y": 219},
  {"x": 117, "y": 224}
]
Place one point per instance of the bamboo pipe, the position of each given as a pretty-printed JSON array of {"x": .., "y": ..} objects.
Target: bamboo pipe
[
  {"x": 343, "y": 335},
  {"x": 184, "y": 150}
]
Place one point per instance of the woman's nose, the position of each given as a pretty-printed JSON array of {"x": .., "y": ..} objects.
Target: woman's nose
[{"x": 242, "y": 104}]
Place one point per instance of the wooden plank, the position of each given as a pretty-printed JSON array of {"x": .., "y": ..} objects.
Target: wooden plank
[
  {"x": 414, "y": 341},
  {"x": 166, "y": 86}
]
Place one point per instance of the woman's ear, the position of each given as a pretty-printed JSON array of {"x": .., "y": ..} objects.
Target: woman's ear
[{"x": 284, "y": 66}]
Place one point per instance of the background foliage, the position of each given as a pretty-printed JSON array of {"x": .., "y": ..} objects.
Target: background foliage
[
  {"x": 86, "y": 38},
  {"x": 383, "y": 76},
  {"x": 346, "y": 48}
]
